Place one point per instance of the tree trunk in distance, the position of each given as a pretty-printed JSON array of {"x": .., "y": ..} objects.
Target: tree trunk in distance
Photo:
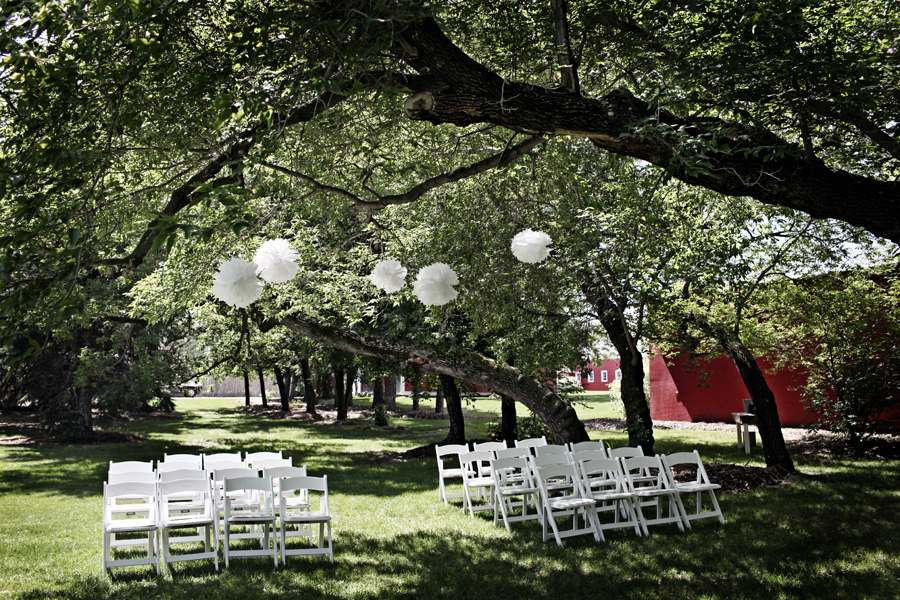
[
  {"x": 309, "y": 391},
  {"x": 378, "y": 393},
  {"x": 767, "y": 420},
  {"x": 262, "y": 387},
  {"x": 284, "y": 389},
  {"x": 439, "y": 400},
  {"x": 84, "y": 396},
  {"x": 631, "y": 362},
  {"x": 390, "y": 392},
  {"x": 246, "y": 388},
  {"x": 508, "y": 420},
  {"x": 415, "y": 382},
  {"x": 457, "y": 433},
  {"x": 351, "y": 379},
  {"x": 340, "y": 398}
]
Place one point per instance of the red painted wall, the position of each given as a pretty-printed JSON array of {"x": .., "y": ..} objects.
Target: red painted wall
[
  {"x": 609, "y": 366},
  {"x": 679, "y": 395}
]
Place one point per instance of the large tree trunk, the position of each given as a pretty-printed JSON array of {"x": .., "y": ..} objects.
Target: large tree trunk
[
  {"x": 262, "y": 387},
  {"x": 340, "y": 398},
  {"x": 439, "y": 400},
  {"x": 508, "y": 420},
  {"x": 351, "y": 379},
  {"x": 84, "y": 396},
  {"x": 246, "y": 388},
  {"x": 457, "y": 433},
  {"x": 416, "y": 383},
  {"x": 471, "y": 367},
  {"x": 390, "y": 392},
  {"x": 766, "y": 410},
  {"x": 631, "y": 362},
  {"x": 284, "y": 387},
  {"x": 378, "y": 392},
  {"x": 309, "y": 390}
]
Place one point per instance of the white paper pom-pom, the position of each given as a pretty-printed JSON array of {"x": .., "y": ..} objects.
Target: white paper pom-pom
[
  {"x": 236, "y": 283},
  {"x": 434, "y": 284},
  {"x": 389, "y": 275},
  {"x": 277, "y": 261},
  {"x": 531, "y": 246}
]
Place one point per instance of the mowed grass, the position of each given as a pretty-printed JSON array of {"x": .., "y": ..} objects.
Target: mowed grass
[{"x": 832, "y": 532}]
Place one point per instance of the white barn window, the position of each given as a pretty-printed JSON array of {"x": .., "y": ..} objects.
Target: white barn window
[
  {"x": 604, "y": 376},
  {"x": 618, "y": 374}
]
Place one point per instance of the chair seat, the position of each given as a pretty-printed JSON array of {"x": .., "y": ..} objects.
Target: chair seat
[
  {"x": 610, "y": 496},
  {"x": 307, "y": 518},
  {"x": 567, "y": 503},
  {"x": 696, "y": 487},
  {"x": 518, "y": 490},
  {"x": 133, "y": 525},
  {"x": 174, "y": 522}
]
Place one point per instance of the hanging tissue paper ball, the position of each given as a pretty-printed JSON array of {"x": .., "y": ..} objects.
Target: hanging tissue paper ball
[
  {"x": 277, "y": 261},
  {"x": 434, "y": 284},
  {"x": 236, "y": 283},
  {"x": 389, "y": 275},
  {"x": 531, "y": 246}
]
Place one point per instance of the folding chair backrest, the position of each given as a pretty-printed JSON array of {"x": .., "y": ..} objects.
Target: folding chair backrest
[
  {"x": 275, "y": 473},
  {"x": 221, "y": 474},
  {"x": 516, "y": 452},
  {"x": 252, "y": 457},
  {"x": 639, "y": 475},
  {"x": 193, "y": 459},
  {"x": 263, "y": 463},
  {"x": 472, "y": 462},
  {"x": 580, "y": 457},
  {"x": 510, "y": 471},
  {"x": 176, "y": 474},
  {"x": 551, "y": 459},
  {"x": 602, "y": 472},
  {"x": 225, "y": 464},
  {"x": 318, "y": 485},
  {"x": 124, "y": 476},
  {"x": 210, "y": 460},
  {"x": 685, "y": 458},
  {"x": 625, "y": 452},
  {"x": 178, "y": 487},
  {"x": 532, "y": 442},
  {"x": 588, "y": 445},
  {"x": 128, "y": 489},
  {"x": 131, "y": 465},
  {"x": 555, "y": 475},
  {"x": 550, "y": 449},
  {"x": 488, "y": 446},
  {"x": 256, "y": 484}
]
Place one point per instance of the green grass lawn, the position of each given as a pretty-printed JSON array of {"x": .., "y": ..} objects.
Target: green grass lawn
[{"x": 833, "y": 532}]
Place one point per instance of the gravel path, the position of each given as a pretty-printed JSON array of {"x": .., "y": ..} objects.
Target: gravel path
[{"x": 790, "y": 433}]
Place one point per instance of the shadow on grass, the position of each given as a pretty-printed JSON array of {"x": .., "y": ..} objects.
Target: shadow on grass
[{"x": 761, "y": 553}]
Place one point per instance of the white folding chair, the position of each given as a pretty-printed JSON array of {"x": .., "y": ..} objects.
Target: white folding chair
[
  {"x": 252, "y": 457},
  {"x": 445, "y": 472},
  {"x": 514, "y": 490},
  {"x": 314, "y": 491},
  {"x": 491, "y": 447},
  {"x": 551, "y": 449},
  {"x": 604, "y": 480},
  {"x": 131, "y": 505},
  {"x": 188, "y": 501},
  {"x": 130, "y": 466},
  {"x": 588, "y": 445},
  {"x": 195, "y": 460},
  {"x": 115, "y": 522},
  {"x": 267, "y": 463},
  {"x": 199, "y": 513},
  {"x": 696, "y": 488},
  {"x": 532, "y": 442},
  {"x": 241, "y": 501},
  {"x": 211, "y": 460},
  {"x": 565, "y": 501},
  {"x": 475, "y": 485},
  {"x": 296, "y": 501},
  {"x": 653, "y": 492},
  {"x": 261, "y": 515}
]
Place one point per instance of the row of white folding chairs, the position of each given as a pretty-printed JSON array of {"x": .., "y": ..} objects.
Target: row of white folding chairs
[
  {"x": 623, "y": 485},
  {"x": 207, "y": 462},
  {"x": 251, "y": 500}
]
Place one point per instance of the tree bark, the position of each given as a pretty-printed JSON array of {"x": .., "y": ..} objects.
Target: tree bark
[
  {"x": 631, "y": 363},
  {"x": 471, "y": 367},
  {"x": 309, "y": 390},
  {"x": 415, "y": 382},
  {"x": 767, "y": 419},
  {"x": 246, "y": 388},
  {"x": 378, "y": 392},
  {"x": 351, "y": 379},
  {"x": 457, "y": 433},
  {"x": 439, "y": 400},
  {"x": 262, "y": 387},
  {"x": 508, "y": 420},
  {"x": 751, "y": 161},
  {"x": 390, "y": 392},
  {"x": 284, "y": 388},
  {"x": 340, "y": 398}
]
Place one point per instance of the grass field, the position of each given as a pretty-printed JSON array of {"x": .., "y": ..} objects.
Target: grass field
[{"x": 833, "y": 532}]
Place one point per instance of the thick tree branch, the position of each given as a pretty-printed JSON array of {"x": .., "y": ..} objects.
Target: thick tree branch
[{"x": 735, "y": 159}]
